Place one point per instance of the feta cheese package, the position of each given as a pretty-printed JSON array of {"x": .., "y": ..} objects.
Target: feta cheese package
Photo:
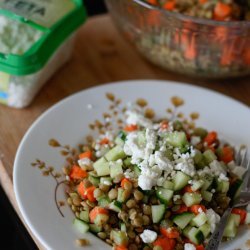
[{"x": 36, "y": 39}]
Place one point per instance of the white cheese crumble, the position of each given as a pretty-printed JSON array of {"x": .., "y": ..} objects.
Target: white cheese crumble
[
  {"x": 85, "y": 162},
  {"x": 189, "y": 246},
  {"x": 176, "y": 197},
  {"x": 223, "y": 177},
  {"x": 136, "y": 117},
  {"x": 213, "y": 219},
  {"x": 148, "y": 236},
  {"x": 195, "y": 140}
]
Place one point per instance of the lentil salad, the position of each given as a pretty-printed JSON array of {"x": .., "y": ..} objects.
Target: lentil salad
[
  {"x": 219, "y": 10},
  {"x": 155, "y": 185}
]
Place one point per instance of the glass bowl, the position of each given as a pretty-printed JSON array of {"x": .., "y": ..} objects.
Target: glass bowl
[{"x": 184, "y": 44}]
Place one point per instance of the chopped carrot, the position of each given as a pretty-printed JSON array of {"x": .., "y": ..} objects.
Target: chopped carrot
[
  {"x": 76, "y": 173},
  {"x": 190, "y": 52},
  {"x": 96, "y": 211},
  {"x": 169, "y": 5},
  {"x": 182, "y": 209},
  {"x": 210, "y": 138},
  {"x": 90, "y": 193},
  {"x": 87, "y": 154},
  {"x": 124, "y": 180},
  {"x": 222, "y": 11},
  {"x": 164, "y": 125},
  {"x": 165, "y": 243},
  {"x": 202, "y": 1},
  {"x": 242, "y": 213},
  {"x": 196, "y": 209},
  {"x": 200, "y": 247},
  {"x": 153, "y": 2},
  {"x": 226, "y": 154},
  {"x": 81, "y": 190},
  {"x": 171, "y": 233},
  {"x": 131, "y": 128},
  {"x": 121, "y": 248},
  {"x": 104, "y": 141}
]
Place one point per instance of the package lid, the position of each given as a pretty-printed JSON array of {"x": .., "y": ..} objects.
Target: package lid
[{"x": 55, "y": 19}]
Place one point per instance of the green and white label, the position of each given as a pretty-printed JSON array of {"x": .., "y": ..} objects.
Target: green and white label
[{"x": 42, "y": 12}]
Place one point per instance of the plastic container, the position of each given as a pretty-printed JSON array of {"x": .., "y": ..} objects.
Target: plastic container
[
  {"x": 184, "y": 44},
  {"x": 37, "y": 39}
]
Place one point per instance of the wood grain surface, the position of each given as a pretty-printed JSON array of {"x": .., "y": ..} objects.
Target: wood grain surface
[{"x": 101, "y": 55}]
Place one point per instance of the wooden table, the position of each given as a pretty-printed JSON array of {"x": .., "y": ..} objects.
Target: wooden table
[{"x": 100, "y": 56}]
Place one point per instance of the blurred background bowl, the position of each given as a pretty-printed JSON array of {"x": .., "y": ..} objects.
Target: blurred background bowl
[{"x": 184, "y": 44}]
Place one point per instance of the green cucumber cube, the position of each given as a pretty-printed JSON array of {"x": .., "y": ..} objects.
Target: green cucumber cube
[
  {"x": 101, "y": 167},
  {"x": 81, "y": 226},
  {"x": 115, "y": 169},
  {"x": 115, "y": 154},
  {"x": 191, "y": 199},
  {"x": 180, "y": 180},
  {"x": 177, "y": 139}
]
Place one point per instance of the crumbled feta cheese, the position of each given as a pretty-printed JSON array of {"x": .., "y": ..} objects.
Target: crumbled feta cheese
[
  {"x": 85, "y": 162},
  {"x": 148, "y": 236},
  {"x": 195, "y": 140},
  {"x": 67, "y": 178},
  {"x": 213, "y": 191},
  {"x": 200, "y": 210},
  {"x": 189, "y": 246},
  {"x": 135, "y": 117},
  {"x": 163, "y": 162},
  {"x": 223, "y": 177},
  {"x": 176, "y": 197},
  {"x": 213, "y": 219},
  {"x": 186, "y": 168},
  {"x": 129, "y": 174},
  {"x": 160, "y": 181},
  {"x": 216, "y": 168}
]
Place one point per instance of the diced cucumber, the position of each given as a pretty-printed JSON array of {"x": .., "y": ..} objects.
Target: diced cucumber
[
  {"x": 239, "y": 171},
  {"x": 177, "y": 139},
  {"x": 180, "y": 180},
  {"x": 120, "y": 238},
  {"x": 123, "y": 227},
  {"x": 205, "y": 229},
  {"x": 234, "y": 189},
  {"x": 186, "y": 231},
  {"x": 201, "y": 132},
  {"x": 168, "y": 185},
  {"x": 84, "y": 216},
  {"x": 101, "y": 167},
  {"x": 115, "y": 169},
  {"x": 94, "y": 180},
  {"x": 235, "y": 218},
  {"x": 93, "y": 173},
  {"x": 197, "y": 184},
  {"x": 209, "y": 156},
  {"x": 115, "y": 154},
  {"x": 104, "y": 202},
  {"x": 164, "y": 195},
  {"x": 199, "y": 219},
  {"x": 208, "y": 182},
  {"x": 199, "y": 159},
  {"x": 101, "y": 219},
  {"x": 231, "y": 227},
  {"x": 136, "y": 170},
  {"x": 206, "y": 195},
  {"x": 195, "y": 235},
  {"x": 115, "y": 206},
  {"x": 158, "y": 212},
  {"x": 247, "y": 220},
  {"x": 191, "y": 199},
  {"x": 222, "y": 186},
  {"x": 94, "y": 228},
  {"x": 81, "y": 226},
  {"x": 121, "y": 197},
  {"x": 106, "y": 181},
  {"x": 182, "y": 220},
  {"x": 127, "y": 161}
]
